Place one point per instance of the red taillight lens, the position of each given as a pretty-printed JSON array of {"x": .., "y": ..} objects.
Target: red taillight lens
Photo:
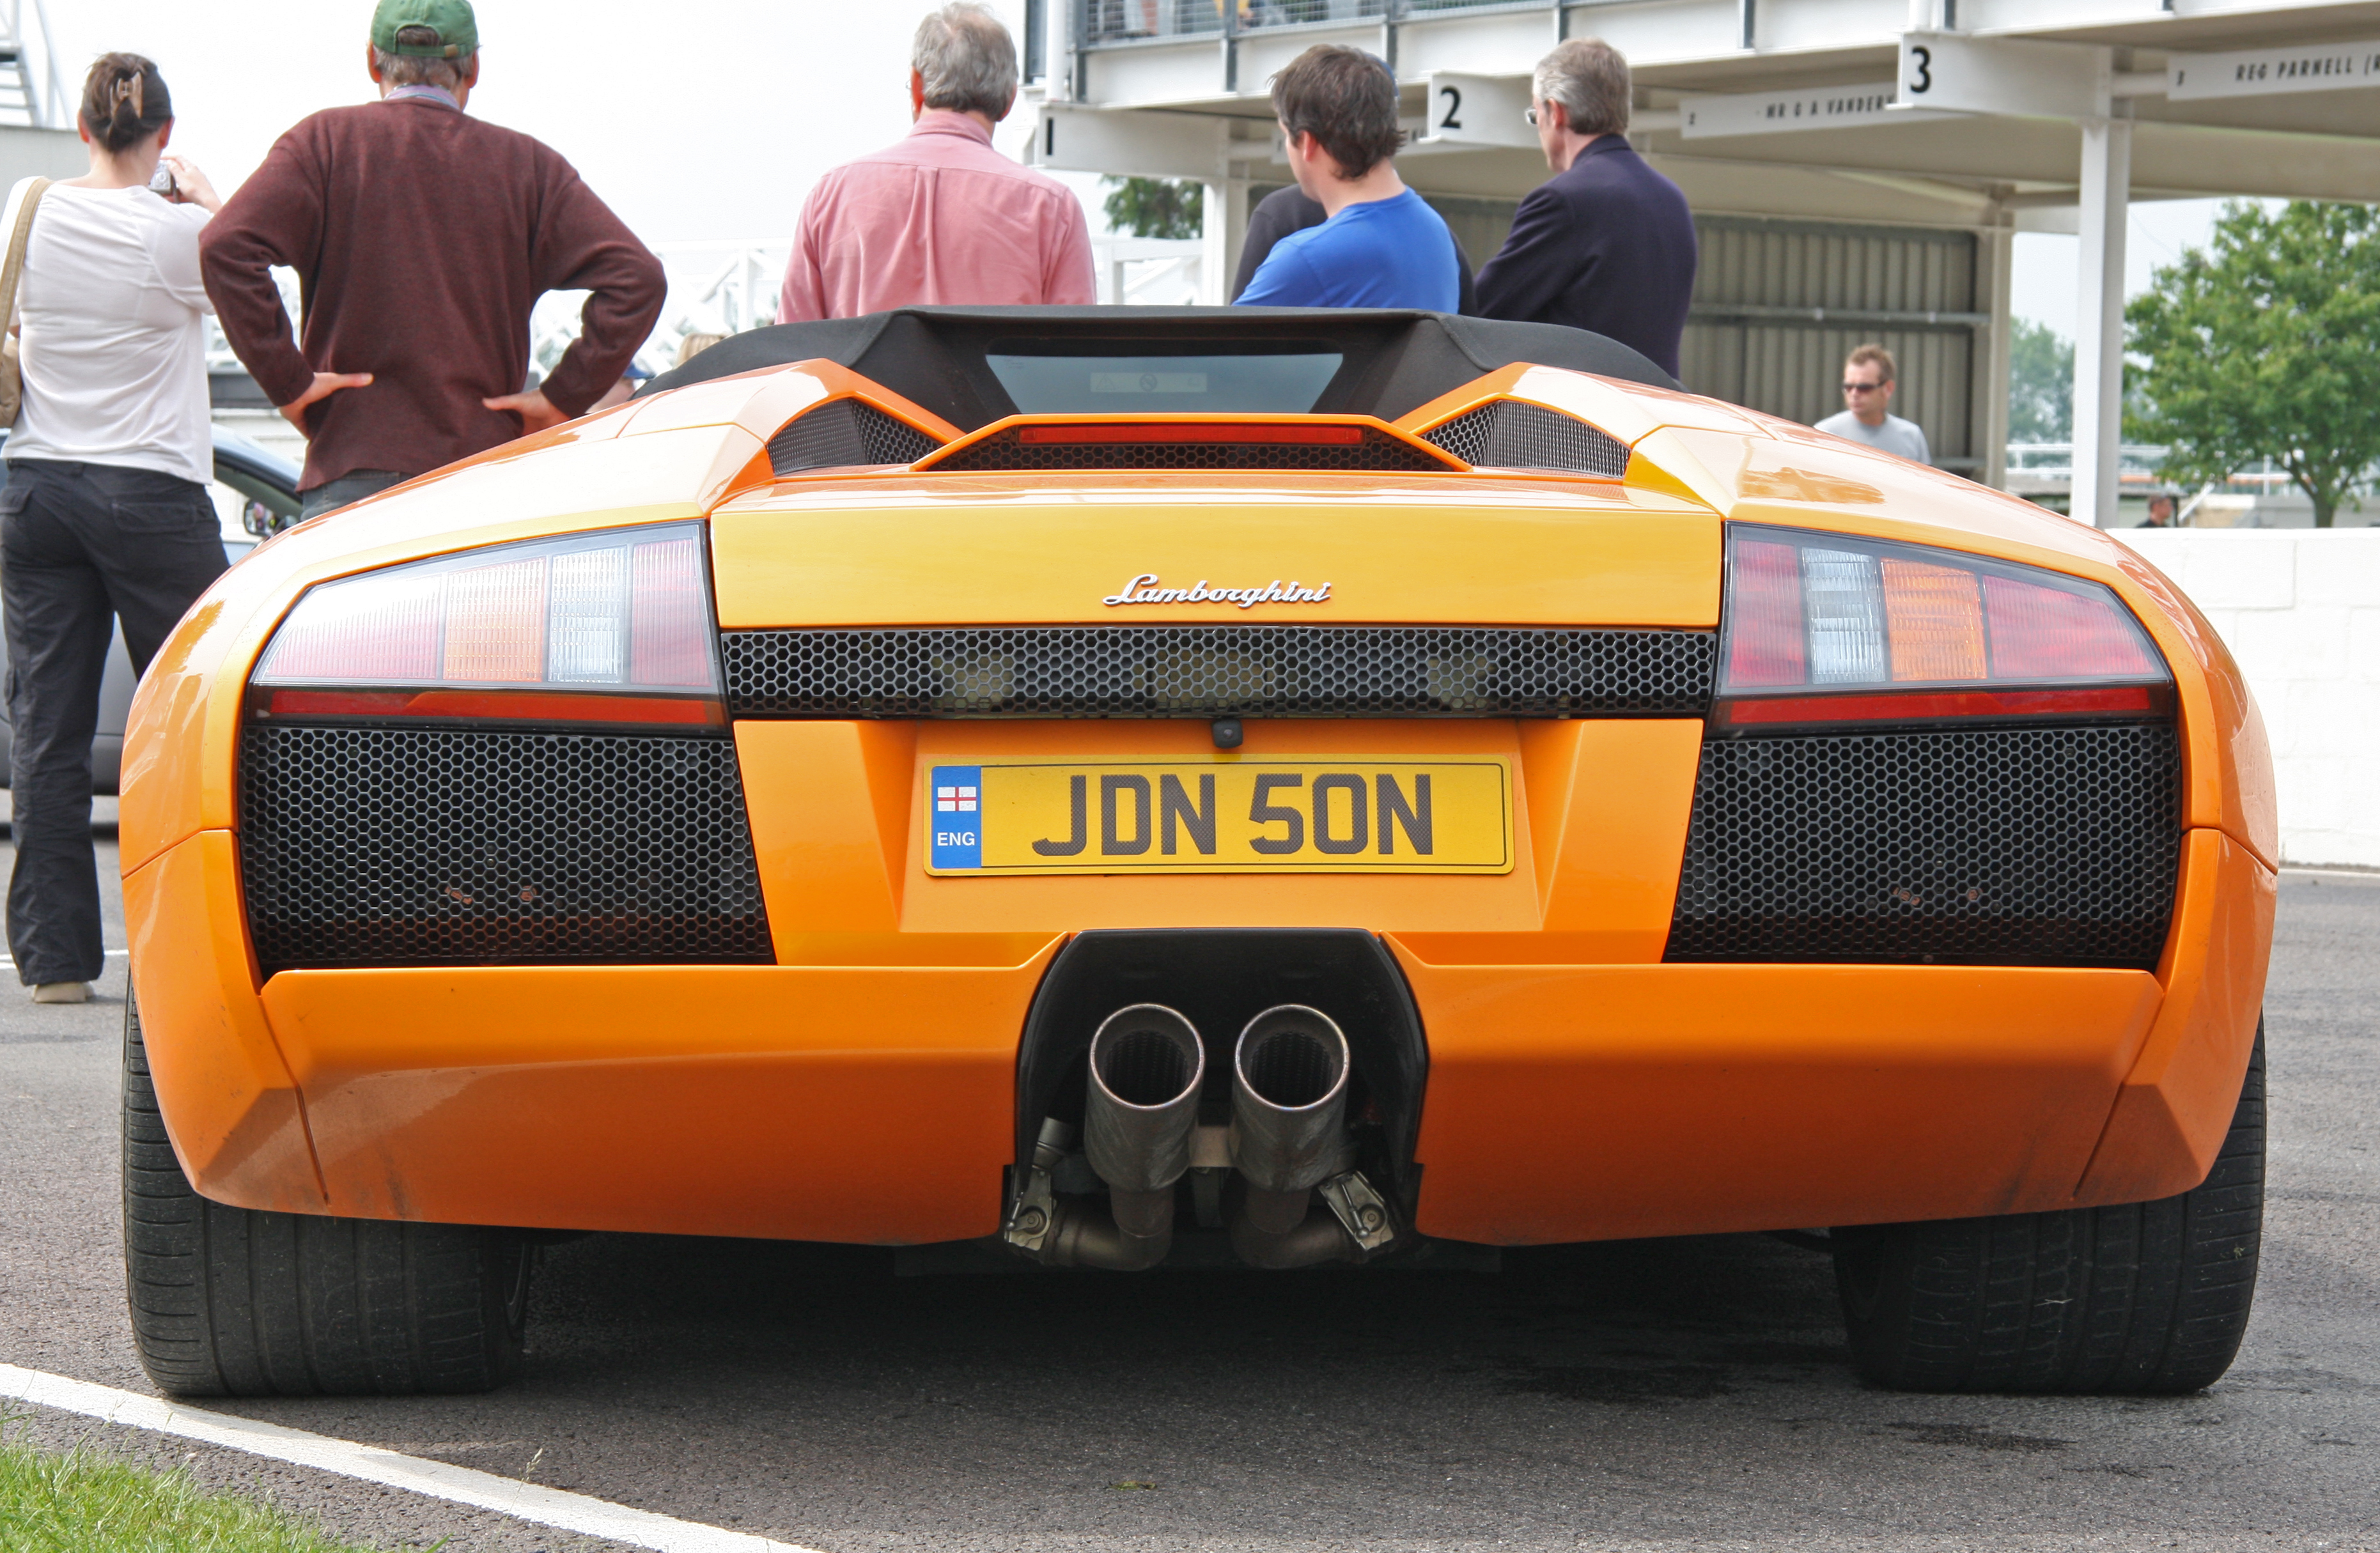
[
  {"x": 2048, "y": 633},
  {"x": 606, "y": 628},
  {"x": 670, "y": 632},
  {"x": 1764, "y": 633},
  {"x": 1866, "y": 631}
]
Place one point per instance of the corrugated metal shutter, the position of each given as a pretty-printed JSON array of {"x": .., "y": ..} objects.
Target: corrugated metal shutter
[{"x": 1779, "y": 303}]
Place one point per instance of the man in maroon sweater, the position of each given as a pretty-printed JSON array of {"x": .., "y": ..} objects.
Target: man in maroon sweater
[{"x": 422, "y": 238}]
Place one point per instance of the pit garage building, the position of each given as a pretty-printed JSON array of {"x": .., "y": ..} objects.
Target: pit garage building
[{"x": 1857, "y": 168}]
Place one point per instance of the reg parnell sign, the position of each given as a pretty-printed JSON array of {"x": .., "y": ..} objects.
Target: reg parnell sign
[{"x": 2273, "y": 72}]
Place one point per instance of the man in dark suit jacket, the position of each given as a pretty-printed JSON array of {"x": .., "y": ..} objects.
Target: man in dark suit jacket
[{"x": 1606, "y": 243}]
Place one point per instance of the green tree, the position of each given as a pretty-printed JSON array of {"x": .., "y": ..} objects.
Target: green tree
[
  {"x": 2041, "y": 384},
  {"x": 1155, "y": 207},
  {"x": 2267, "y": 345}
]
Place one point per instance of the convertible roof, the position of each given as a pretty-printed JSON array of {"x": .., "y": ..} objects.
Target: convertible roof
[{"x": 1396, "y": 360}]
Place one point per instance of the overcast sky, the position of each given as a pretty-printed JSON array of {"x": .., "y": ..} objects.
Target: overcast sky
[
  {"x": 2046, "y": 277},
  {"x": 695, "y": 120},
  {"x": 699, "y": 121}
]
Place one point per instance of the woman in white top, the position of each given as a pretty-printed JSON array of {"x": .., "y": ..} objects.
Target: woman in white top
[{"x": 106, "y": 513}]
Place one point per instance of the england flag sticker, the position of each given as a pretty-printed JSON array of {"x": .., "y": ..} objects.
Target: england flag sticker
[{"x": 957, "y": 832}]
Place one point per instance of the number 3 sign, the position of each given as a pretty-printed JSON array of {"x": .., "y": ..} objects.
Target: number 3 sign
[{"x": 2016, "y": 77}]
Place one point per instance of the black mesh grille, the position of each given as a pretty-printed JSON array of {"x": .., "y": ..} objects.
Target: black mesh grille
[
  {"x": 2006, "y": 846},
  {"x": 1216, "y": 671},
  {"x": 845, "y": 432},
  {"x": 1509, "y": 434},
  {"x": 1002, "y": 451},
  {"x": 379, "y": 846}
]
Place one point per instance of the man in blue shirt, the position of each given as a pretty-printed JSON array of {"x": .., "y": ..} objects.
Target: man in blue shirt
[{"x": 1381, "y": 247}]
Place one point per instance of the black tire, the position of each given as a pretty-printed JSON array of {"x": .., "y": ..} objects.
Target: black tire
[
  {"x": 2148, "y": 1299},
  {"x": 230, "y": 1301}
]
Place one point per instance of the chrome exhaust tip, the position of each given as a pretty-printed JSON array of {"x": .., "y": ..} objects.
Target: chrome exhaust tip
[
  {"x": 1288, "y": 1110},
  {"x": 1147, "y": 1067}
]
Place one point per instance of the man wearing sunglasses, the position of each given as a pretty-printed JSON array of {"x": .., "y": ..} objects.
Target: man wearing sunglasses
[{"x": 1867, "y": 390}]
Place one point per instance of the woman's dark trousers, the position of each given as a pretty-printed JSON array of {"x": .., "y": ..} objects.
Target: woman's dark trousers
[{"x": 81, "y": 545}]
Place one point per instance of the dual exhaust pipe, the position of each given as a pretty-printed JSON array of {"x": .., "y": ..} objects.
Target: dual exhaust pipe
[{"x": 1287, "y": 1139}]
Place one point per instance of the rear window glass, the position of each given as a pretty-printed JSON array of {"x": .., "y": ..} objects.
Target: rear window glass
[{"x": 1259, "y": 381}]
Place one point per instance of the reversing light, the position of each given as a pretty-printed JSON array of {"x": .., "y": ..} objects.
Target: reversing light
[
  {"x": 614, "y": 627},
  {"x": 1825, "y": 628}
]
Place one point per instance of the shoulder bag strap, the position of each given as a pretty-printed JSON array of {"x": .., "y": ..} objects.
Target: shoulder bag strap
[{"x": 14, "y": 268}]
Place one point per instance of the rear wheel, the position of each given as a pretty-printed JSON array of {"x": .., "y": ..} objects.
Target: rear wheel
[
  {"x": 2145, "y": 1299},
  {"x": 232, "y": 1302}
]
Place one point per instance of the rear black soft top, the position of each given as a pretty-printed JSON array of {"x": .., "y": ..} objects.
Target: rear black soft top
[{"x": 1395, "y": 361}]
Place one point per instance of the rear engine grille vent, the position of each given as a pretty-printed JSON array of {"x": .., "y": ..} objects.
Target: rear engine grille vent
[
  {"x": 1217, "y": 671},
  {"x": 2009, "y": 846},
  {"x": 375, "y": 846},
  {"x": 845, "y": 432},
  {"x": 1509, "y": 434},
  {"x": 1004, "y": 451}
]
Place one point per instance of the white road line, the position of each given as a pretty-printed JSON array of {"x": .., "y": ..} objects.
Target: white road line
[
  {"x": 111, "y": 953},
  {"x": 523, "y": 1501},
  {"x": 2369, "y": 876}
]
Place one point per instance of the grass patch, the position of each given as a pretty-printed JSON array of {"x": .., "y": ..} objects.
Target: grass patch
[{"x": 82, "y": 1501}]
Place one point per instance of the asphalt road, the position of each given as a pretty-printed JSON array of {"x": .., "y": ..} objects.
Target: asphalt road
[{"x": 1671, "y": 1394}]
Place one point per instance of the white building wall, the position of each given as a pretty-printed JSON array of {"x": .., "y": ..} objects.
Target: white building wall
[{"x": 2300, "y": 610}]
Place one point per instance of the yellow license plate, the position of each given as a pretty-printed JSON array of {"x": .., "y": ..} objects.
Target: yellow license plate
[{"x": 1227, "y": 814}]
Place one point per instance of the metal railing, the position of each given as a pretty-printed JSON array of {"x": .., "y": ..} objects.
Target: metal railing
[
  {"x": 720, "y": 288},
  {"x": 1148, "y": 271},
  {"x": 714, "y": 288},
  {"x": 2136, "y": 463},
  {"x": 31, "y": 94},
  {"x": 1123, "y": 21}
]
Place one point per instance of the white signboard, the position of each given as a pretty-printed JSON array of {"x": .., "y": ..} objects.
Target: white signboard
[
  {"x": 2018, "y": 77},
  {"x": 1468, "y": 112},
  {"x": 2266, "y": 72},
  {"x": 1770, "y": 113},
  {"x": 1158, "y": 145}
]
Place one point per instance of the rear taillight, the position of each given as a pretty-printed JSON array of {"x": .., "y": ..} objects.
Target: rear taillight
[
  {"x": 606, "y": 627},
  {"x": 1823, "y": 629}
]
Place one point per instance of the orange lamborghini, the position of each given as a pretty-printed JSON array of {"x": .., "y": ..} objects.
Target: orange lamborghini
[{"x": 1126, "y": 788}]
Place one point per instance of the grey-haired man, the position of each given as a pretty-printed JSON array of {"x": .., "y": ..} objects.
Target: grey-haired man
[
  {"x": 941, "y": 217},
  {"x": 1606, "y": 243}
]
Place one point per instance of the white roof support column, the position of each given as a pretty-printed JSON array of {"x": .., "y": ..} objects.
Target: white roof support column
[
  {"x": 2099, "y": 326},
  {"x": 1225, "y": 232},
  {"x": 1997, "y": 250}
]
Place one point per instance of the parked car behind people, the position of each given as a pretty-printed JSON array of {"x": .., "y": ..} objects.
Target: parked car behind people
[
  {"x": 254, "y": 494},
  {"x": 105, "y": 518}
]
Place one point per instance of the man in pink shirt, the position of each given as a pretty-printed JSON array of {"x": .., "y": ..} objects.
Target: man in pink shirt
[{"x": 941, "y": 217}]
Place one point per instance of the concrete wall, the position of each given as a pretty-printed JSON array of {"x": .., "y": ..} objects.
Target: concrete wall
[
  {"x": 2300, "y": 608},
  {"x": 47, "y": 154}
]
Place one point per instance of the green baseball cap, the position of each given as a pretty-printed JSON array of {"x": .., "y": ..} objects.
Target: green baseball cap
[{"x": 458, "y": 29}]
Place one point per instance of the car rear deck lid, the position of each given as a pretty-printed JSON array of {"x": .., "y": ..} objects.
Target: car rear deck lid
[
  {"x": 1321, "y": 443},
  {"x": 1389, "y": 363}
]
